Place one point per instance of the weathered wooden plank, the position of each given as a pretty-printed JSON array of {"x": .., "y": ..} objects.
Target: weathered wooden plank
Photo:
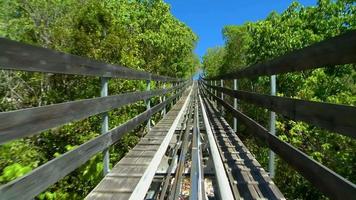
[
  {"x": 135, "y": 160},
  {"x": 33, "y": 183},
  {"x": 151, "y": 140},
  {"x": 145, "y": 147},
  {"x": 333, "y": 117},
  {"x": 154, "y": 136},
  {"x": 26, "y": 122},
  {"x": 117, "y": 185},
  {"x": 330, "y": 52},
  {"x": 108, "y": 196},
  {"x": 18, "y": 56},
  {"x": 117, "y": 169},
  {"x": 140, "y": 154},
  {"x": 326, "y": 180}
]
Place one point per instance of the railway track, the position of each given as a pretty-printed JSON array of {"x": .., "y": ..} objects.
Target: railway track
[{"x": 192, "y": 153}]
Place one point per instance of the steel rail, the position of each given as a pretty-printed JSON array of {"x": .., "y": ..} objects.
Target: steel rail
[
  {"x": 209, "y": 102},
  {"x": 183, "y": 153},
  {"x": 196, "y": 173},
  {"x": 221, "y": 177}
]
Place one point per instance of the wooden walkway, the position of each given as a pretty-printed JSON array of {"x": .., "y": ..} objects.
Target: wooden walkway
[
  {"x": 122, "y": 180},
  {"x": 247, "y": 179}
]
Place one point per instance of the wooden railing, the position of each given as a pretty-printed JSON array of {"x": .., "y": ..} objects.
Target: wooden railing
[
  {"x": 332, "y": 117},
  {"x": 27, "y": 122}
]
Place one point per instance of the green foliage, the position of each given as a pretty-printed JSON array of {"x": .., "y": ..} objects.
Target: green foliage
[
  {"x": 14, "y": 171},
  {"x": 212, "y": 60},
  {"x": 142, "y": 35},
  {"x": 278, "y": 34},
  {"x": 19, "y": 154},
  {"x": 237, "y": 41}
]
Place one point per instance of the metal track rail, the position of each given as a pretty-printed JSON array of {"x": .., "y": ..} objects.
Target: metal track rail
[
  {"x": 233, "y": 168},
  {"x": 196, "y": 175},
  {"x": 222, "y": 180},
  {"x": 176, "y": 186}
]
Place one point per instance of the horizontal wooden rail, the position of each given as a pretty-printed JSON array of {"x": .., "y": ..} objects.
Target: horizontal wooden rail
[
  {"x": 35, "y": 182},
  {"x": 329, "y": 182},
  {"x": 333, "y": 117},
  {"x": 334, "y": 51},
  {"x": 18, "y": 56},
  {"x": 26, "y": 122}
]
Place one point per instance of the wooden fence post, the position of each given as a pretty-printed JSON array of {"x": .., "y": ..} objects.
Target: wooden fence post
[{"x": 105, "y": 125}]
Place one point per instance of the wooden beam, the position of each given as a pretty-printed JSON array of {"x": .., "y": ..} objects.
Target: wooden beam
[
  {"x": 18, "y": 56},
  {"x": 27, "y": 122},
  {"x": 333, "y": 117},
  {"x": 338, "y": 50}
]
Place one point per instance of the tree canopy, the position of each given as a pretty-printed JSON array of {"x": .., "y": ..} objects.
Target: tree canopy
[
  {"x": 139, "y": 34},
  {"x": 255, "y": 42}
]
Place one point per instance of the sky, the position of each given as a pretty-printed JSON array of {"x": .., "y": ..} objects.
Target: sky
[{"x": 207, "y": 17}]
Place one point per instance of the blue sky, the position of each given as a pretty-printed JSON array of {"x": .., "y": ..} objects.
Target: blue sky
[{"x": 208, "y": 17}]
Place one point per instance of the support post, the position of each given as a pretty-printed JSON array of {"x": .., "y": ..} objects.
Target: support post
[
  {"x": 222, "y": 96},
  {"x": 176, "y": 100},
  {"x": 235, "y": 106},
  {"x": 172, "y": 95},
  {"x": 211, "y": 90},
  {"x": 105, "y": 125},
  {"x": 215, "y": 92},
  {"x": 272, "y": 129},
  {"x": 164, "y": 99},
  {"x": 148, "y": 104},
  {"x": 180, "y": 94}
]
